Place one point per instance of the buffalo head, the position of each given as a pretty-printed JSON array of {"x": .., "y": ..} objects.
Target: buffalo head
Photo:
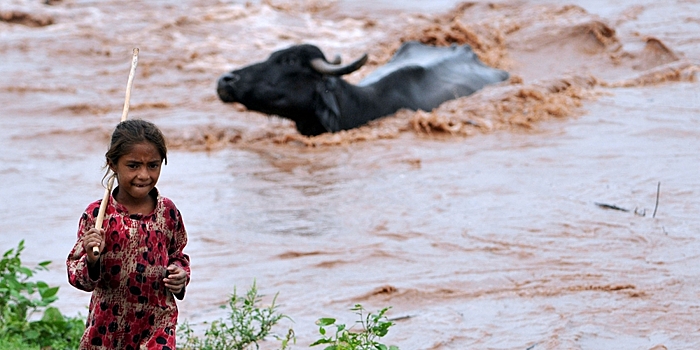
[{"x": 291, "y": 83}]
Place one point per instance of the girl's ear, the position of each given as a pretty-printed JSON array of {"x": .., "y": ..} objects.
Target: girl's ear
[{"x": 111, "y": 166}]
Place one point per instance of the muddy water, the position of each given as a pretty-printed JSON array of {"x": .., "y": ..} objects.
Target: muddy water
[{"x": 477, "y": 222}]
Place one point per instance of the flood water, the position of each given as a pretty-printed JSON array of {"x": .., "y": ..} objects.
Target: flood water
[{"x": 484, "y": 224}]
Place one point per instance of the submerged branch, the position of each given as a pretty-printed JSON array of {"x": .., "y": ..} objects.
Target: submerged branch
[
  {"x": 610, "y": 206},
  {"x": 656, "y": 206}
]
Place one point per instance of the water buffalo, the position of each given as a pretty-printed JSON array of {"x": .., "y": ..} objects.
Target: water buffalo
[{"x": 299, "y": 84}]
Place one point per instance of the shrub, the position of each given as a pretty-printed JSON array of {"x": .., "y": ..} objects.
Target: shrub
[
  {"x": 21, "y": 297},
  {"x": 247, "y": 325},
  {"x": 374, "y": 326}
]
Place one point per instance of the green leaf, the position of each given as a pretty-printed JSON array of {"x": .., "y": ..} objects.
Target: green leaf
[
  {"x": 321, "y": 341},
  {"x": 26, "y": 271},
  {"x": 326, "y": 321},
  {"x": 47, "y": 301},
  {"x": 52, "y": 314},
  {"x": 12, "y": 282},
  {"x": 48, "y": 293},
  {"x": 8, "y": 253},
  {"x": 31, "y": 334}
]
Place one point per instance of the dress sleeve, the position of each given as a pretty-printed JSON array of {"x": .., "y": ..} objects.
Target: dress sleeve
[
  {"x": 177, "y": 245},
  {"x": 80, "y": 274}
]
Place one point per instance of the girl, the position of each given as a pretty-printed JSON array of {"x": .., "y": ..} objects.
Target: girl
[{"x": 141, "y": 265}]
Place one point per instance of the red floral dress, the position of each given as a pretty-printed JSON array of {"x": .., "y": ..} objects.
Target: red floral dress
[{"x": 130, "y": 306}]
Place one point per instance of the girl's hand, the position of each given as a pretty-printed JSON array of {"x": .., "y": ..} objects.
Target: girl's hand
[
  {"x": 93, "y": 238},
  {"x": 176, "y": 279}
]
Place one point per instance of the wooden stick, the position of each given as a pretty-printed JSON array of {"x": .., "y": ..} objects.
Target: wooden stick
[
  {"x": 125, "y": 112},
  {"x": 129, "y": 83}
]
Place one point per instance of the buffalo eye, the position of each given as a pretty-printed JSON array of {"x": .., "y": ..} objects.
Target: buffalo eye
[{"x": 290, "y": 60}]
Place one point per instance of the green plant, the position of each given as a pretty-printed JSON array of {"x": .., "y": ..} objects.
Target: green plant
[
  {"x": 247, "y": 325},
  {"x": 21, "y": 297},
  {"x": 374, "y": 326}
]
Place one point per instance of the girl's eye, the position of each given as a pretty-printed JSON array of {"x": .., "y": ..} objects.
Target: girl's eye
[
  {"x": 133, "y": 166},
  {"x": 154, "y": 166}
]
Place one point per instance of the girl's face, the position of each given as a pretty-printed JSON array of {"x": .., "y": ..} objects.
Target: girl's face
[{"x": 137, "y": 172}]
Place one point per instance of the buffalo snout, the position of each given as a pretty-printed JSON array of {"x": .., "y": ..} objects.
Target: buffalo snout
[{"x": 226, "y": 87}]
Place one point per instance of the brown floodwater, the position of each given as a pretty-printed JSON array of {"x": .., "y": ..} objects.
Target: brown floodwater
[{"x": 484, "y": 224}]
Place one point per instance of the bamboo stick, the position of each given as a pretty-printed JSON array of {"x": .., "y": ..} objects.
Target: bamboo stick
[{"x": 125, "y": 112}]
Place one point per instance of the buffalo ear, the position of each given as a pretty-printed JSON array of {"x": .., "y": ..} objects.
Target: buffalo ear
[{"x": 327, "y": 110}]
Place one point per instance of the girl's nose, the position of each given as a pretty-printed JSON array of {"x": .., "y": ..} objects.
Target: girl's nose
[{"x": 143, "y": 173}]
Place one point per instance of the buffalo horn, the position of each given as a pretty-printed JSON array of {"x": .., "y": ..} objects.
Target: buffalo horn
[{"x": 322, "y": 66}]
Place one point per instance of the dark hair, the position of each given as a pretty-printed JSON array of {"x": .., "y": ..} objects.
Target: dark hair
[{"x": 131, "y": 132}]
